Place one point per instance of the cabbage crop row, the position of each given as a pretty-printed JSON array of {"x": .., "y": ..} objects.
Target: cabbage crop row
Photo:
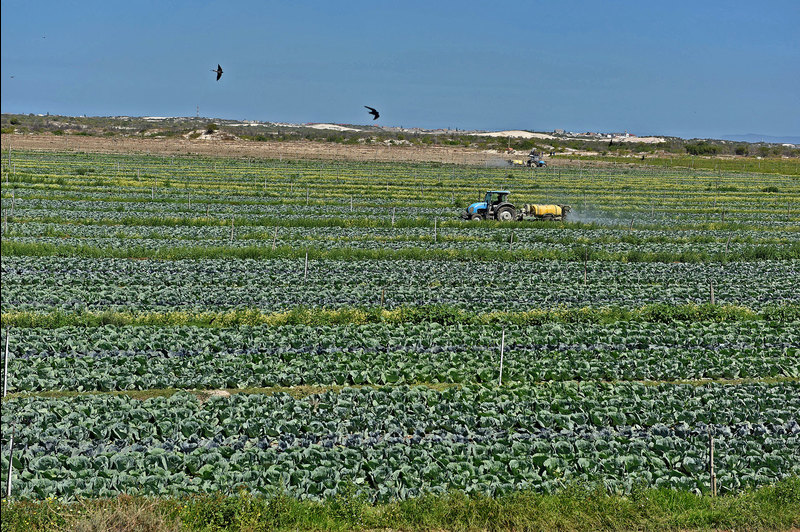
[
  {"x": 140, "y": 358},
  {"x": 204, "y": 231},
  {"x": 451, "y": 241},
  {"x": 71, "y": 284},
  {"x": 379, "y": 213},
  {"x": 399, "y": 442}
]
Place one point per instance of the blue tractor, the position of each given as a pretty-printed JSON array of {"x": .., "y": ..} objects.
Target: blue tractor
[
  {"x": 534, "y": 159},
  {"x": 495, "y": 206}
]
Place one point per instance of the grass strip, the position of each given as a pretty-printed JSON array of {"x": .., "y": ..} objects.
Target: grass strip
[
  {"x": 788, "y": 166},
  {"x": 576, "y": 508},
  {"x": 443, "y": 314}
]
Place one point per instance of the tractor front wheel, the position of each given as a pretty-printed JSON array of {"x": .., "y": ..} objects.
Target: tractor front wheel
[{"x": 476, "y": 218}]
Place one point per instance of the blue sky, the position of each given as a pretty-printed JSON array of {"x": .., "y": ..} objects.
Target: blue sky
[{"x": 689, "y": 69}]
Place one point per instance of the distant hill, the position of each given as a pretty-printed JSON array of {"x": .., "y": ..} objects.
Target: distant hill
[
  {"x": 753, "y": 137},
  {"x": 559, "y": 141}
]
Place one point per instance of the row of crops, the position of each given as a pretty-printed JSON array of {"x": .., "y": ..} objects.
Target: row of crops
[
  {"x": 186, "y": 324},
  {"x": 443, "y": 243},
  {"x": 141, "y": 358},
  {"x": 400, "y": 441},
  {"x": 44, "y": 283},
  {"x": 368, "y": 238}
]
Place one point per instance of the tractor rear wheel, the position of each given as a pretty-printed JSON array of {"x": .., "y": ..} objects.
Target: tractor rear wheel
[
  {"x": 476, "y": 218},
  {"x": 505, "y": 214}
]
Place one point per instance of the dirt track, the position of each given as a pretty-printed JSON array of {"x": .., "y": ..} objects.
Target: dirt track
[{"x": 242, "y": 148}]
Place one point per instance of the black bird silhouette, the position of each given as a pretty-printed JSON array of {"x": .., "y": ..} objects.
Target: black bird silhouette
[
  {"x": 218, "y": 71},
  {"x": 373, "y": 112}
]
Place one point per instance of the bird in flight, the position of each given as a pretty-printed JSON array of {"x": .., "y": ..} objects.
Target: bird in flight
[
  {"x": 373, "y": 112},
  {"x": 218, "y": 71}
]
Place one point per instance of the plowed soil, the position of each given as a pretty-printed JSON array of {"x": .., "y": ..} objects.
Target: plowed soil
[{"x": 244, "y": 148}]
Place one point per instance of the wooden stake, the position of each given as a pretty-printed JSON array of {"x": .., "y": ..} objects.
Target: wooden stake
[
  {"x": 383, "y": 293},
  {"x": 727, "y": 242},
  {"x": 502, "y": 349},
  {"x": 231, "y": 228},
  {"x": 711, "y": 466},
  {"x": 305, "y": 269},
  {"x": 711, "y": 284},
  {"x": 10, "y": 462},
  {"x": 585, "y": 261},
  {"x": 393, "y": 210},
  {"x": 434, "y": 230},
  {"x": 5, "y": 366},
  {"x": 275, "y": 238}
]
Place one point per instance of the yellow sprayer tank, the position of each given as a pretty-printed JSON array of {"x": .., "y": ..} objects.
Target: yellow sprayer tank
[{"x": 546, "y": 212}]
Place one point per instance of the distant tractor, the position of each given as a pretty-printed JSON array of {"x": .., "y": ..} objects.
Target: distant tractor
[
  {"x": 534, "y": 159},
  {"x": 496, "y": 206}
]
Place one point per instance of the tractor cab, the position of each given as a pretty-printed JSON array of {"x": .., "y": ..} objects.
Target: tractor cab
[
  {"x": 495, "y": 197},
  {"x": 495, "y": 206}
]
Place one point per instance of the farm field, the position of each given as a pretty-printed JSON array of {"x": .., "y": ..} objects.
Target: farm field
[{"x": 185, "y": 325}]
